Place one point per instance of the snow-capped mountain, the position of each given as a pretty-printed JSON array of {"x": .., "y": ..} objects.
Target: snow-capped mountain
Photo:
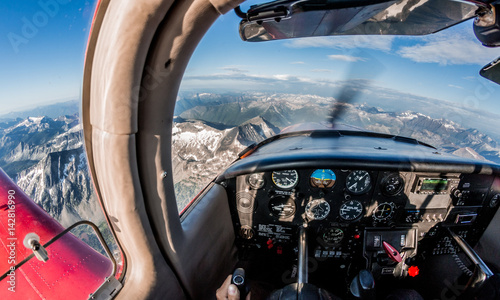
[
  {"x": 46, "y": 156},
  {"x": 284, "y": 109},
  {"x": 201, "y": 150}
]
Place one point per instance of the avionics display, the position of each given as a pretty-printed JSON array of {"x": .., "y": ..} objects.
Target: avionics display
[{"x": 436, "y": 185}]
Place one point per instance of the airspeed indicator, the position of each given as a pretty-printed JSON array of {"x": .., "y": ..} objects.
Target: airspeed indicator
[{"x": 286, "y": 179}]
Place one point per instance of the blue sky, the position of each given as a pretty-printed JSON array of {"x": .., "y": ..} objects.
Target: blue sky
[
  {"x": 443, "y": 66},
  {"x": 42, "y": 51},
  {"x": 45, "y": 64}
]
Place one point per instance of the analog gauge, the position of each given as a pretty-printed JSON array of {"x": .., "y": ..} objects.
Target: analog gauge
[
  {"x": 317, "y": 209},
  {"x": 323, "y": 178},
  {"x": 282, "y": 206},
  {"x": 351, "y": 210},
  {"x": 392, "y": 184},
  {"x": 332, "y": 236},
  {"x": 286, "y": 179},
  {"x": 384, "y": 211},
  {"x": 256, "y": 180},
  {"x": 358, "y": 182}
]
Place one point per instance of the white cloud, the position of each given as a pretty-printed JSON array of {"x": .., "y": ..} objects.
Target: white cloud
[
  {"x": 348, "y": 58},
  {"x": 298, "y": 63},
  {"x": 449, "y": 49},
  {"x": 455, "y": 86},
  {"x": 376, "y": 42}
]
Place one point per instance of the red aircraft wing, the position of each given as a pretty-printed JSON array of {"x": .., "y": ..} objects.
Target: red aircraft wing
[{"x": 74, "y": 270}]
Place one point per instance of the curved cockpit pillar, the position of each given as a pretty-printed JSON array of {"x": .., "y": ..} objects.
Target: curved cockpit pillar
[{"x": 136, "y": 57}]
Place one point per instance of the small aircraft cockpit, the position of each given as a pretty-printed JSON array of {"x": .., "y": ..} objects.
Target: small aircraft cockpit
[
  {"x": 339, "y": 210},
  {"x": 347, "y": 188}
]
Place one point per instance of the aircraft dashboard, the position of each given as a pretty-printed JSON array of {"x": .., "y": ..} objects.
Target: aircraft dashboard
[{"x": 351, "y": 213}]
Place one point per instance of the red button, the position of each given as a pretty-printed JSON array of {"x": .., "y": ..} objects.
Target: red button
[
  {"x": 413, "y": 271},
  {"x": 357, "y": 236}
]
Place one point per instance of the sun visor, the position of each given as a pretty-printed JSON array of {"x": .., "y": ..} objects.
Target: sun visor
[{"x": 293, "y": 19}]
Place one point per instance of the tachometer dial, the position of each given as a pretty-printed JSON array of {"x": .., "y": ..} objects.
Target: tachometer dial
[
  {"x": 317, "y": 209},
  {"x": 282, "y": 206},
  {"x": 256, "y": 180},
  {"x": 332, "y": 236},
  {"x": 351, "y": 210},
  {"x": 323, "y": 178},
  {"x": 392, "y": 184},
  {"x": 286, "y": 179},
  {"x": 384, "y": 211},
  {"x": 358, "y": 182}
]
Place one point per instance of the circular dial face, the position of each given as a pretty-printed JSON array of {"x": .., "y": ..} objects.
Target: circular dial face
[
  {"x": 286, "y": 179},
  {"x": 256, "y": 180},
  {"x": 384, "y": 211},
  {"x": 358, "y": 182},
  {"x": 351, "y": 210},
  {"x": 332, "y": 236},
  {"x": 282, "y": 206},
  {"x": 317, "y": 209},
  {"x": 392, "y": 184},
  {"x": 323, "y": 178}
]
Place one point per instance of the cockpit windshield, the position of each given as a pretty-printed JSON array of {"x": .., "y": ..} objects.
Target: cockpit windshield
[{"x": 427, "y": 87}]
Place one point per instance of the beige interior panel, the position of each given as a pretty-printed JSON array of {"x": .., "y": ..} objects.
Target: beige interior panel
[
  {"x": 176, "y": 40},
  {"x": 132, "y": 74},
  {"x": 147, "y": 271},
  {"x": 208, "y": 226}
]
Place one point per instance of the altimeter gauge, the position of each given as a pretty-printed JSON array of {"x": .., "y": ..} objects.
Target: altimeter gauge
[
  {"x": 384, "y": 211},
  {"x": 358, "y": 182},
  {"x": 286, "y": 179},
  {"x": 317, "y": 209}
]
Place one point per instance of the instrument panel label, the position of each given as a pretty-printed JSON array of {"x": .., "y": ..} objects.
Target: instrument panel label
[{"x": 275, "y": 231}]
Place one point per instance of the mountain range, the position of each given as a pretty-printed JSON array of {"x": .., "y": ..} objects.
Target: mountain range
[{"x": 45, "y": 155}]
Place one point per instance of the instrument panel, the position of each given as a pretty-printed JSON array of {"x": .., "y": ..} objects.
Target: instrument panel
[{"x": 350, "y": 212}]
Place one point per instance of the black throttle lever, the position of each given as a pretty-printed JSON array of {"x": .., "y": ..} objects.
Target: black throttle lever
[{"x": 239, "y": 280}]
